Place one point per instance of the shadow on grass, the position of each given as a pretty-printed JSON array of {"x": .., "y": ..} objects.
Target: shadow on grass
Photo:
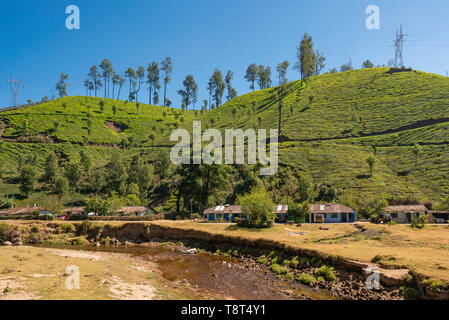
[{"x": 363, "y": 176}]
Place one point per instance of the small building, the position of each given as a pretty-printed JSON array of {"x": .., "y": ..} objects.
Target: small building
[
  {"x": 24, "y": 211},
  {"x": 74, "y": 210},
  {"x": 133, "y": 211},
  {"x": 223, "y": 213},
  {"x": 331, "y": 213},
  {"x": 281, "y": 212},
  {"x": 438, "y": 216},
  {"x": 406, "y": 213}
]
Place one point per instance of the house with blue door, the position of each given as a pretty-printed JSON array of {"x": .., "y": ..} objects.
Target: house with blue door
[
  {"x": 224, "y": 213},
  {"x": 331, "y": 213}
]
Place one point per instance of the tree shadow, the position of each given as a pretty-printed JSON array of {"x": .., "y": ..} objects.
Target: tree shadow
[{"x": 363, "y": 176}]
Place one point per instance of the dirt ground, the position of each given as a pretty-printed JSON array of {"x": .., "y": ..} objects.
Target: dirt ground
[{"x": 29, "y": 273}]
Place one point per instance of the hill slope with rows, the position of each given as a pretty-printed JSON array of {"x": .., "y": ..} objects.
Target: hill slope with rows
[{"x": 330, "y": 125}]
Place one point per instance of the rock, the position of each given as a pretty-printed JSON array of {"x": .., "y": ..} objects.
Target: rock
[
  {"x": 190, "y": 251},
  {"x": 18, "y": 244},
  {"x": 16, "y": 239},
  {"x": 7, "y": 243}
]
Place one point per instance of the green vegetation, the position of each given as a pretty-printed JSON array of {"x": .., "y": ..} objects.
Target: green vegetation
[
  {"x": 326, "y": 272},
  {"x": 307, "y": 279},
  {"x": 335, "y": 121}
]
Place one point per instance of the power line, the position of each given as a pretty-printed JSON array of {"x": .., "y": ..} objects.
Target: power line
[
  {"x": 16, "y": 86},
  {"x": 399, "y": 47}
]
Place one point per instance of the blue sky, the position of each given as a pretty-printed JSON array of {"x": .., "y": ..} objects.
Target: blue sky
[{"x": 201, "y": 35}]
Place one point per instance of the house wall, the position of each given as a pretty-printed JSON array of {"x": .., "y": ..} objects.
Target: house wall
[{"x": 333, "y": 218}]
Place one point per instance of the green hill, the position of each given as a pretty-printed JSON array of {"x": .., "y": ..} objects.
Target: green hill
[{"x": 330, "y": 125}]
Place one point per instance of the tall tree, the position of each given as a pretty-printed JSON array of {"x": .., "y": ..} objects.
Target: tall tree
[
  {"x": 107, "y": 71},
  {"x": 232, "y": 93},
  {"x": 320, "y": 59},
  {"x": 190, "y": 92},
  {"x": 88, "y": 84},
  {"x": 218, "y": 86},
  {"x": 115, "y": 82},
  {"x": 282, "y": 69},
  {"x": 306, "y": 63},
  {"x": 131, "y": 75},
  {"x": 153, "y": 80},
  {"x": 62, "y": 84},
  {"x": 264, "y": 77},
  {"x": 121, "y": 82},
  {"x": 167, "y": 67},
  {"x": 140, "y": 74},
  {"x": 251, "y": 75},
  {"x": 95, "y": 78}
]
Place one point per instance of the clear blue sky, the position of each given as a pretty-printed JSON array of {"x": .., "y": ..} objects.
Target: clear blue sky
[{"x": 203, "y": 34}]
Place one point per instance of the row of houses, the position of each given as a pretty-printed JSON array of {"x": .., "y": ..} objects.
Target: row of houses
[
  {"x": 331, "y": 213},
  {"x": 23, "y": 211},
  {"x": 327, "y": 213}
]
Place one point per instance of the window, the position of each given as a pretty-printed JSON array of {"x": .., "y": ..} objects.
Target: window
[
  {"x": 334, "y": 215},
  {"x": 394, "y": 215}
]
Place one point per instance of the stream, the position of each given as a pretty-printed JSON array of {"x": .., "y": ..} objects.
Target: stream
[{"x": 215, "y": 275}]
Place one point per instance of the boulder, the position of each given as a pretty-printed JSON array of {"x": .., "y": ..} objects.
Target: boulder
[
  {"x": 18, "y": 244},
  {"x": 7, "y": 243}
]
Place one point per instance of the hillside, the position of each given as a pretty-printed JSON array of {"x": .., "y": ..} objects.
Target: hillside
[{"x": 330, "y": 125}]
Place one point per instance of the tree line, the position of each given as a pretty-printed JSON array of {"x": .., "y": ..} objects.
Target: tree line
[{"x": 309, "y": 62}]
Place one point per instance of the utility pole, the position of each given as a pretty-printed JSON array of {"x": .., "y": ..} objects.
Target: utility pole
[
  {"x": 16, "y": 86},
  {"x": 399, "y": 49}
]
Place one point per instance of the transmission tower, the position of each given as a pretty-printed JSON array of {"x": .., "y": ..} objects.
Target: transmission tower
[
  {"x": 399, "y": 46},
  {"x": 16, "y": 86}
]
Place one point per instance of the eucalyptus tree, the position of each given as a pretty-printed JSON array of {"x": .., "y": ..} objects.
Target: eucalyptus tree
[
  {"x": 282, "y": 69},
  {"x": 62, "y": 84},
  {"x": 140, "y": 74},
  {"x": 94, "y": 76},
  {"x": 251, "y": 75},
  {"x": 131, "y": 75},
  {"x": 306, "y": 63},
  {"x": 167, "y": 68},
  {"x": 107, "y": 71},
  {"x": 153, "y": 80},
  {"x": 232, "y": 93},
  {"x": 218, "y": 86},
  {"x": 190, "y": 92}
]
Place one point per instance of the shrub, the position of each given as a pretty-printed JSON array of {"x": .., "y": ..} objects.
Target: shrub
[
  {"x": 410, "y": 293},
  {"x": 420, "y": 222},
  {"x": 6, "y": 232},
  {"x": 6, "y": 203},
  {"x": 262, "y": 260},
  {"x": 327, "y": 273},
  {"x": 83, "y": 228},
  {"x": 433, "y": 283},
  {"x": 307, "y": 279},
  {"x": 67, "y": 228},
  {"x": 286, "y": 262},
  {"x": 294, "y": 263},
  {"x": 277, "y": 269},
  {"x": 259, "y": 207}
]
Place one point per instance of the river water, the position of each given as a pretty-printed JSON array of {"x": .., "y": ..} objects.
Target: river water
[{"x": 215, "y": 275}]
